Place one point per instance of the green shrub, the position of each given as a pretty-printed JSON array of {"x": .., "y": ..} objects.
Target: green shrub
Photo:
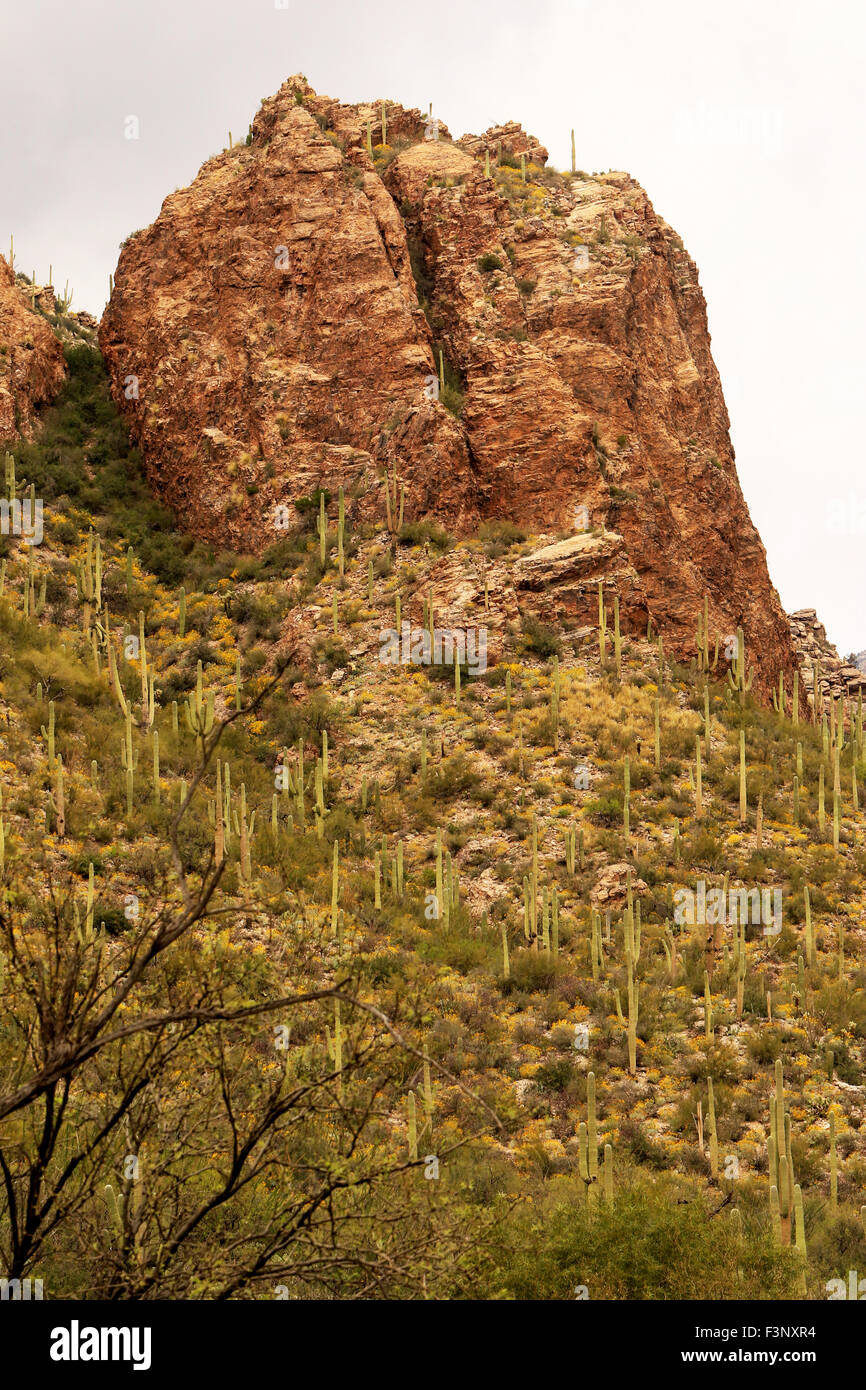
[
  {"x": 651, "y": 1243},
  {"x": 417, "y": 532},
  {"x": 540, "y": 638}
]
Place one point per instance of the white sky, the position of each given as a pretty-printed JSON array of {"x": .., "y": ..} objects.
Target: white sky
[{"x": 744, "y": 121}]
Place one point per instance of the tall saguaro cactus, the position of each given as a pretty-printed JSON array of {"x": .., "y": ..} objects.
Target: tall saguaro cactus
[
  {"x": 591, "y": 1126},
  {"x": 740, "y": 681},
  {"x": 743, "y": 796}
]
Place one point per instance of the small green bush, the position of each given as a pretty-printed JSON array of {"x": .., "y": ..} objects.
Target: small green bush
[{"x": 540, "y": 638}]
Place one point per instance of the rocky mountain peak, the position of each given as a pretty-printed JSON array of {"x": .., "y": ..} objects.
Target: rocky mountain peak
[{"x": 353, "y": 292}]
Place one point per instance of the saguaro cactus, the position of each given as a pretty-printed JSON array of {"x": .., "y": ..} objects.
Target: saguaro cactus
[
  {"x": 156, "y": 764},
  {"x": 822, "y": 814},
  {"x": 335, "y": 887},
  {"x": 633, "y": 1004},
  {"x": 657, "y": 732},
  {"x": 708, "y": 1009},
  {"x": 800, "y": 1234},
  {"x": 834, "y": 1163},
  {"x": 322, "y": 528},
  {"x": 412, "y": 1124},
  {"x": 626, "y": 802},
  {"x": 699, "y": 797},
  {"x": 778, "y": 1146},
  {"x": 219, "y": 809},
  {"x": 591, "y": 1125},
  {"x": 48, "y": 734},
  {"x": 714, "y": 1142},
  {"x": 341, "y": 527},
  {"x": 740, "y": 682},
  {"x": 199, "y": 713},
  {"x": 428, "y": 1101},
  {"x": 59, "y": 800},
  {"x": 810, "y": 939},
  {"x": 393, "y": 516},
  {"x": 743, "y": 796}
]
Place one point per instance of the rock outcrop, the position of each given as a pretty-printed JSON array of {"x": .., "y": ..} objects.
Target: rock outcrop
[
  {"x": 281, "y": 326},
  {"x": 817, "y": 656},
  {"x": 502, "y": 141},
  {"x": 32, "y": 368}
]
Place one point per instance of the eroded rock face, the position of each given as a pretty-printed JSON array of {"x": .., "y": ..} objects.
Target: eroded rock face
[
  {"x": 278, "y": 328},
  {"x": 611, "y": 888},
  {"x": 821, "y": 664},
  {"x": 503, "y": 140},
  {"x": 564, "y": 577},
  {"x": 32, "y": 368},
  {"x": 264, "y": 338}
]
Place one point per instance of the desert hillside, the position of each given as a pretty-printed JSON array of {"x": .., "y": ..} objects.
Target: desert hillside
[{"x": 408, "y": 887}]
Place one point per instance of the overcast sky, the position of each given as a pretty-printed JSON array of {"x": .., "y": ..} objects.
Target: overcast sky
[{"x": 744, "y": 121}]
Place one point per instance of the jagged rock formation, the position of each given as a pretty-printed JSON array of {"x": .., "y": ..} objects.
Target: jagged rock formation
[
  {"x": 836, "y": 677},
  {"x": 31, "y": 359},
  {"x": 277, "y": 330},
  {"x": 70, "y": 326},
  {"x": 500, "y": 140}
]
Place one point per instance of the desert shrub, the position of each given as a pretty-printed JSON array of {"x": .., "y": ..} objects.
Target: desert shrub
[
  {"x": 450, "y": 778},
  {"x": 604, "y": 810},
  {"x": 532, "y": 970},
  {"x": 499, "y": 536},
  {"x": 540, "y": 639},
  {"x": 652, "y": 1242},
  {"x": 417, "y": 532}
]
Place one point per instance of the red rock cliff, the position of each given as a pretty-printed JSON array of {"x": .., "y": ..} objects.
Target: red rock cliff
[
  {"x": 277, "y": 327},
  {"x": 31, "y": 359}
]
